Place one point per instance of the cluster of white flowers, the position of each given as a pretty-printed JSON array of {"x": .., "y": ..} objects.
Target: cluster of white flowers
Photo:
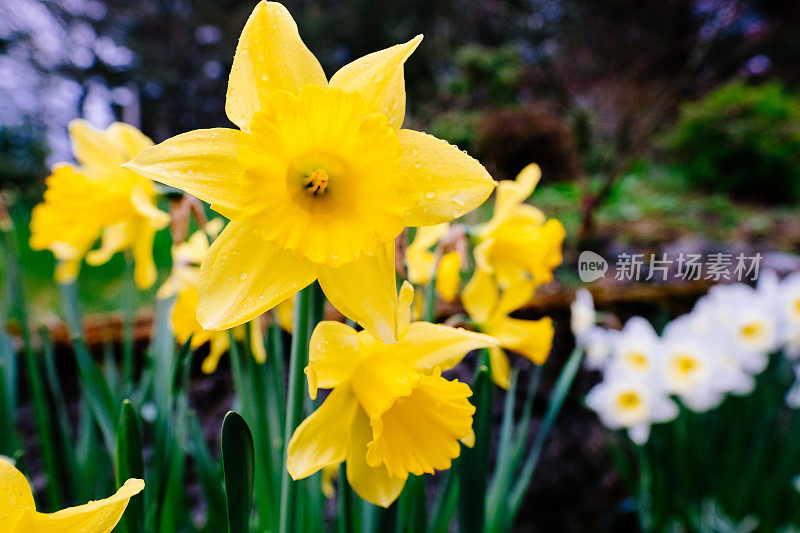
[{"x": 700, "y": 357}]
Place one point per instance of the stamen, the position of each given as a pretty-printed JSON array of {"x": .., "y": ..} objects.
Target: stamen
[{"x": 317, "y": 182}]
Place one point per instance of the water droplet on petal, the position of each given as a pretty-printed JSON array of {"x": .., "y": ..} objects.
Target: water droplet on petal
[
  {"x": 430, "y": 195},
  {"x": 243, "y": 276}
]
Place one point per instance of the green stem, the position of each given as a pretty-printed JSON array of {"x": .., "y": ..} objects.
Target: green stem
[
  {"x": 474, "y": 462},
  {"x": 345, "y": 502},
  {"x": 303, "y": 309},
  {"x": 38, "y": 393},
  {"x": 43, "y": 422},
  {"x": 557, "y": 397},
  {"x": 129, "y": 312}
]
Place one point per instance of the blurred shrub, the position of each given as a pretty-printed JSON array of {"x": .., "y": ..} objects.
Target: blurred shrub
[
  {"x": 22, "y": 159},
  {"x": 741, "y": 140},
  {"x": 457, "y": 127},
  {"x": 510, "y": 138},
  {"x": 488, "y": 75}
]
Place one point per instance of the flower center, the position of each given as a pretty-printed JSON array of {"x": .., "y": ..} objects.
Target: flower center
[
  {"x": 628, "y": 400},
  {"x": 637, "y": 360},
  {"x": 317, "y": 182},
  {"x": 751, "y": 330},
  {"x": 685, "y": 364}
]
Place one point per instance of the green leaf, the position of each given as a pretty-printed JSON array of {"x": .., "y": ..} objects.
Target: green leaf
[
  {"x": 558, "y": 395},
  {"x": 238, "y": 463},
  {"x": 209, "y": 474},
  {"x": 307, "y": 312},
  {"x": 474, "y": 462},
  {"x": 130, "y": 464}
]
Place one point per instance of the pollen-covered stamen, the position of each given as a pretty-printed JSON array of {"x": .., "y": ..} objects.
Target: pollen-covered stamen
[{"x": 316, "y": 183}]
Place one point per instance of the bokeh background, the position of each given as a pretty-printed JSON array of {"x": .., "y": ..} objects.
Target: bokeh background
[{"x": 659, "y": 125}]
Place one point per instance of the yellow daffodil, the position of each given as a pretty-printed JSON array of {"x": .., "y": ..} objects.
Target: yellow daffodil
[
  {"x": 99, "y": 199},
  {"x": 284, "y": 314},
  {"x": 490, "y": 309},
  {"x": 183, "y": 281},
  {"x": 390, "y": 412},
  {"x": 18, "y": 512},
  {"x": 421, "y": 262},
  {"x": 318, "y": 180},
  {"x": 519, "y": 242}
]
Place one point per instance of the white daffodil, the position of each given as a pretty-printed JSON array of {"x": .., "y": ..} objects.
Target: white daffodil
[
  {"x": 582, "y": 315},
  {"x": 598, "y": 344},
  {"x": 633, "y": 404},
  {"x": 635, "y": 350},
  {"x": 747, "y": 318}
]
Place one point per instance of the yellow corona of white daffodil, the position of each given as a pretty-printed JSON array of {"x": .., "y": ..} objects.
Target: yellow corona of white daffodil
[
  {"x": 183, "y": 281},
  {"x": 519, "y": 242},
  {"x": 390, "y": 412},
  {"x": 318, "y": 180},
  {"x": 421, "y": 262},
  {"x": 490, "y": 309},
  {"x": 18, "y": 512},
  {"x": 99, "y": 199}
]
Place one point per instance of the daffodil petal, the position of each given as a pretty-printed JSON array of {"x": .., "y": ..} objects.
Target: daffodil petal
[
  {"x": 426, "y": 346},
  {"x": 333, "y": 355},
  {"x": 220, "y": 343},
  {"x": 518, "y": 294},
  {"x": 97, "y": 517},
  {"x": 144, "y": 269},
  {"x": 257, "y": 341},
  {"x": 511, "y": 194},
  {"x": 16, "y": 498},
  {"x": 529, "y": 338},
  {"x": 427, "y": 236},
  {"x": 374, "y": 484},
  {"x": 404, "y": 301},
  {"x": 184, "y": 317},
  {"x": 322, "y": 439},
  {"x": 448, "y": 276},
  {"x": 449, "y": 182},
  {"x": 145, "y": 207},
  {"x": 92, "y": 148},
  {"x": 244, "y": 275},
  {"x": 114, "y": 239},
  {"x": 501, "y": 371},
  {"x": 67, "y": 271},
  {"x": 480, "y": 296},
  {"x": 379, "y": 78},
  {"x": 204, "y": 163},
  {"x": 130, "y": 140},
  {"x": 270, "y": 56},
  {"x": 364, "y": 290}
]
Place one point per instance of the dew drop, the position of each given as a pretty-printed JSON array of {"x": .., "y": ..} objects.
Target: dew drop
[
  {"x": 243, "y": 276},
  {"x": 430, "y": 195}
]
